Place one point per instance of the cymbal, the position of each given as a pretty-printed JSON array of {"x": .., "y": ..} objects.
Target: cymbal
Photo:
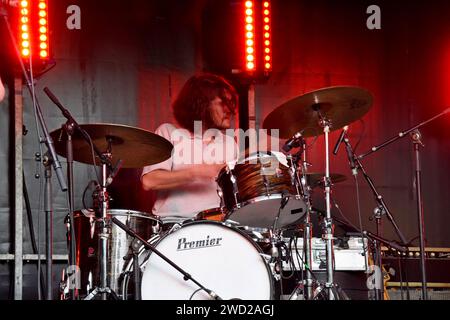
[
  {"x": 136, "y": 147},
  {"x": 315, "y": 179},
  {"x": 341, "y": 105}
]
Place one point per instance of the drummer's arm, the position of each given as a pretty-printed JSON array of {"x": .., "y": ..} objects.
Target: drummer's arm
[
  {"x": 2, "y": 90},
  {"x": 164, "y": 179}
]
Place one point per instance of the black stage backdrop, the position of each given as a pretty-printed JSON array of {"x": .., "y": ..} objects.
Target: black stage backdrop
[{"x": 129, "y": 59}]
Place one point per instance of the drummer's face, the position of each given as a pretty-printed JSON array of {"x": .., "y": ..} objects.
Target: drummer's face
[{"x": 220, "y": 113}]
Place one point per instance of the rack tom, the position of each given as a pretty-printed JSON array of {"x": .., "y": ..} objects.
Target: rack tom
[{"x": 261, "y": 191}]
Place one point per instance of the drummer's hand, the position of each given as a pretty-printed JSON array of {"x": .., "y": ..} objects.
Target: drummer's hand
[{"x": 207, "y": 171}]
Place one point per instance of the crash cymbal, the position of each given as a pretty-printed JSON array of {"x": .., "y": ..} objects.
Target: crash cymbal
[
  {"x": 341, "y": 105},
  {"x": 315, "y": 179},
  {"x": 136, "y": 147}
]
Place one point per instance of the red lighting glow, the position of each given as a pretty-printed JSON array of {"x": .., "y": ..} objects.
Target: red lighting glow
[
  {"x": 257, "y": 35},
  {"x": 33, "y": 30},
  {"x": 249, "y": 35},
  {"x": 24, "y": 28},
  {"x": 267, "y": 36}
]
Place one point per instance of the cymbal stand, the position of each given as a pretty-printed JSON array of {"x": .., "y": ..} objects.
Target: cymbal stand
[
  {"x": 328, "y": 222},
  {"x": 302, "y": 183},
  {"x": 104, "y": 290}
]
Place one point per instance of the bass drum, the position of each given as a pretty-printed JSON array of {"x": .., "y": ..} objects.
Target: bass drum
[{"x": 221, "y": 258}]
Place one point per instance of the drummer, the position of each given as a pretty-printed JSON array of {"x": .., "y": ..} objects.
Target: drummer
[{"x": 185, "y": 183}]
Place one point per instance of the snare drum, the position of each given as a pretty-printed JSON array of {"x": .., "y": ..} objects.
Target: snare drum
[
  {"x": 87, "y": 244},
  {"x": 261, "y": 190},
  {"x": 222, "y": 258}
]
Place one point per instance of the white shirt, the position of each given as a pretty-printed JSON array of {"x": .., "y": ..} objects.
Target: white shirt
[{"x": 212, "y": 146}]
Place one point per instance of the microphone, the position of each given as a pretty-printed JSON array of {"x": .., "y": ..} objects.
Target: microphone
[
  {"x": 293, "y": 142},
  {"x": 350, "y": 157},
  {"x": 113, "y": 174},
  {"x": 55, "y": 100},
  {"x": 10, "y": 3},
  {"x": 341, "y": 138},
  {"x": 284, "y": 199}
]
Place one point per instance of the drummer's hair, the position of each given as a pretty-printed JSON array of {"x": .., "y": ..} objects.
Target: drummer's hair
[{"x": 194, "y": 98}]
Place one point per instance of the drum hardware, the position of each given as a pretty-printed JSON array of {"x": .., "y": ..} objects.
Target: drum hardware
[
  {"x": 312, "y": 114},
  {"x": 128, "y": 145},
  {"x": 186, "y": 276},
  {"x": 258, "y": 191},
  {"x": 304, "y": 187},
  {"x": 103, "y": 289},
  {"x": 134, "y": 248},
  {"x": 356, "y": 164}
]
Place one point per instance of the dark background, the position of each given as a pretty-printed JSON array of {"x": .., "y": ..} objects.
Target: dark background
[{"x": 130, "y": 59}]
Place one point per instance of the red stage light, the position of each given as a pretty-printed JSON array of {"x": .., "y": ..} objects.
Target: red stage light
[
  {"x": 249, "y": 35},
  {"x": 33, "y": 30},
  {"x": 267, "y": 36},
  {"x": 257, "y": 32},
  {"x": 24, "y": 29}
]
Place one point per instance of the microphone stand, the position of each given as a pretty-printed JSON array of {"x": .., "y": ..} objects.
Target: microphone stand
[
  {"x": 416, "y": 137},
  {"x": 48, "y": 208},
  {"x": 134, "y": 247},
  {"x": 305, "y": 192},
  {"x": 381, "y": 209},
  {"x": 186, "y": 276},
  {"x": 47, "y": 139}
]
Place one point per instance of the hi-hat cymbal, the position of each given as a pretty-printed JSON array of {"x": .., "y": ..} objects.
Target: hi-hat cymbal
[
  {"x": 315, "y": 179},
  {"x": 136, "y": 147},
  {"x": 340, "y": 105}
]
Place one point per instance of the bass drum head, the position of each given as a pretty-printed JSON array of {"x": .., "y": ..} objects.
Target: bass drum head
[{"x": 220, "y": 258}]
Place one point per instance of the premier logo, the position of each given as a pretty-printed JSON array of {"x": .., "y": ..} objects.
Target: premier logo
[{"x": 183, "y": 244}]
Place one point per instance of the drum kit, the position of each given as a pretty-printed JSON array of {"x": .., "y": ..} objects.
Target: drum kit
[{"x": 231, "y": 252}]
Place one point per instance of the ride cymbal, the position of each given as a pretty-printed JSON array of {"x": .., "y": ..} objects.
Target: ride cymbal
[{"x": 340, "y": 105}]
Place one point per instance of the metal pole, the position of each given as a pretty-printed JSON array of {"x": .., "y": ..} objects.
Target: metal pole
[
  {"x": 416, "y": 136},
  {"x": 328, "y": 221},
  {"x": 307, "y": 247},
  {"x": 49, "y": 225},
  {"x": 18, "y": 159}
]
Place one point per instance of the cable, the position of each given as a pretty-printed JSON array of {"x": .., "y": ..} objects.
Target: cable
[
  {"x": 324, "y": 293},
  {"x": 93, "y": 159},
  {"x": 192, "y": 295}
]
